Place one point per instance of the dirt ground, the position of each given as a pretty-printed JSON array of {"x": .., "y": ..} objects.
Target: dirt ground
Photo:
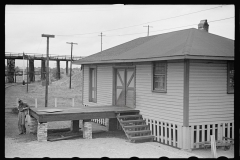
[{"x": 112, "y": 144}]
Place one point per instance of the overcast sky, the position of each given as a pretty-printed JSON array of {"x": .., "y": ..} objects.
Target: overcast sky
[{"x": 82, "y": 24}]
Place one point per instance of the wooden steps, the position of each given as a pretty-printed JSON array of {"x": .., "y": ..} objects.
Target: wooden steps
[{"x": 135, "y": 127}]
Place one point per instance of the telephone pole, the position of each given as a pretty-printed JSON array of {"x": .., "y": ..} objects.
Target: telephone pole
[
  {"x": 71, "y": 62},
  {"x": 101, "y": 40},
  {"x": 23, "y": 70},
  {"x": 47, "y": 71},
  {"x": 148, "y": 28}
]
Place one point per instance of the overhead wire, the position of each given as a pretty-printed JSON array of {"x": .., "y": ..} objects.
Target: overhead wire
[
  {"x": 167, "y": 28},
  {"x": 141, "y": 23}
]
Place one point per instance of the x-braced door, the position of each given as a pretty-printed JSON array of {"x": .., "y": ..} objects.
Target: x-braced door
[{"x": 125, "y": 87}]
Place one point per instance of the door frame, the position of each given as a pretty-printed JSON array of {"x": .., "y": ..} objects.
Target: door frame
[{"x": 114, "y": 83}]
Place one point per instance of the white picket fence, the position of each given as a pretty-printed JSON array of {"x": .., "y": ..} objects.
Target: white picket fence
[
  {"x": 165, "y": 132},
  {"x": 101, "y": 121},
  {"x": 202, "y": 133}
]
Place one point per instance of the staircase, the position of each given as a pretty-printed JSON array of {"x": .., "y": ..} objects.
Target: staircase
[{"x": 135, "y": 127}]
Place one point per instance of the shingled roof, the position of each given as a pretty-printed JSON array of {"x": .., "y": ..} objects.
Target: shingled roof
[{"x": 184, "y": 44}]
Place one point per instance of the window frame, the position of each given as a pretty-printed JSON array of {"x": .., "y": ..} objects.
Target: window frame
[
  {"x": 230, "y": 90},
  {"x": 165, "y": 74},
  {"x": 91, "y": 99}
]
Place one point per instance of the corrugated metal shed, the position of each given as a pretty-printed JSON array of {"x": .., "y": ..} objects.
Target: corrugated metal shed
[{"x": 184, "y": 44}]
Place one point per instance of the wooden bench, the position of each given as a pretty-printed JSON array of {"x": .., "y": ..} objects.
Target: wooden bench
[{"x": 219, "y": 143}]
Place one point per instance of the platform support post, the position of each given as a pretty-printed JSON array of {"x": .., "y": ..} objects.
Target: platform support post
[
  {"x": 31, "y": 70},
  {"x": 87, "y": 129},
  {"x": 43, "y": 70},
  {"x": 112, "y": 124},
  {"x": 75, "y": 125},
  {"x": 11, "y": 70},
  {"x": 66, "y": 67},
  {"x": 42, "y": 132}
]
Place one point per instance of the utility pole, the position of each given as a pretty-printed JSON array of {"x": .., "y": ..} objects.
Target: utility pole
[
  {"x": 101, "y": 40},
  {"x": 23, "y": 70},
  {"x": 47, "y": 71},
  {"x": 71, "y": 62},
  {"x": 27, "y": 73},
  {"x": 148, "y": 28}
]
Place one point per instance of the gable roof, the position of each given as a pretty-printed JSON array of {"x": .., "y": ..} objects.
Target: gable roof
[{"x": 184, "y": 44}]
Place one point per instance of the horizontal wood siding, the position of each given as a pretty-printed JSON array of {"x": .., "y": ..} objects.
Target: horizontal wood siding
[
  {"x": 167, "y": 107},
  {"x": 104, "y": 85},
  {"x": 208, "y": 98}
]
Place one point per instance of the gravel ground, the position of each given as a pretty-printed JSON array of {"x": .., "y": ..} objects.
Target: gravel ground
[{"x": 104, "y": 144}]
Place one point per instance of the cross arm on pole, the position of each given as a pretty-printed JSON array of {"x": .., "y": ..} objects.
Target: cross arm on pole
[{"x": 48, "y": 35}]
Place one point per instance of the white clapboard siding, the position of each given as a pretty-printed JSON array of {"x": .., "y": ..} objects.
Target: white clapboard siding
[
  {"x": 166, "y": 107},
  {"x": 208, "y": 98},
  {"x": 104, "y": 85}
]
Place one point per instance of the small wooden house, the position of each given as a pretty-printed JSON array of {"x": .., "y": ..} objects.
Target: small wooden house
[{"x": 182, "y": 82}]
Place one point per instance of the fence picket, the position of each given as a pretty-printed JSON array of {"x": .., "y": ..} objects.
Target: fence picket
[
  {"x": 228, "y": 130},
  {"x": 203, "y": 133},
  {"x": 208, "y": 132},
  {"x": 165, "y": 136},
  {"x": 213, "y": 130},
  {"x": 197, "y": 139},
  {"x": 154, "y": 129},
  {"x": 170, "y": 133},
  {"x": 158, "y": 131},
  {"x": 151, "y": 126},
  {"x": 219, "y": 130},
  {"x": 174, "y": 134},
  {"x": 162, "y": 132}
]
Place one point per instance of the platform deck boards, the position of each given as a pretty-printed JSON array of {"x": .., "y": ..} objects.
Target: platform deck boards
[{"x": 77, "y": 113}]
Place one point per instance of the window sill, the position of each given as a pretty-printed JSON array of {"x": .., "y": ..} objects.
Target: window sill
[
  {"x": 159, "y": 91},
  {"x": 230, "y": 92}
]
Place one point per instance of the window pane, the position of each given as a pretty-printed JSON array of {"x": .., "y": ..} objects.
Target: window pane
[
  {"x": 93, "y": 77},
  {"x": 159, "y": 68},
  {"x": 93, "y": 94},
  {"x": 159, "y": 82}
]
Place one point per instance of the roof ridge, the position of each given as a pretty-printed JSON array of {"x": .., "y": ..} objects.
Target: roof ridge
[{"x": 188, "y": 44}]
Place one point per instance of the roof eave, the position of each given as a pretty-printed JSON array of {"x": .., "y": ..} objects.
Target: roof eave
[{"x": 157, "y": 59}]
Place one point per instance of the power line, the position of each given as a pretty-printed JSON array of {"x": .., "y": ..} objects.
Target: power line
[
  {"x": 66, "y": 10},
  {"x": 144, "y": 23},
  {"x": 171, "y": 28}
]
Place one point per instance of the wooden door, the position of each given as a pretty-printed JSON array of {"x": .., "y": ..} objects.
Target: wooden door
[
  {"x": 125, "y": 87},
  {"x": 130, "y": 88},
  {"x": 120, "y": 87}
]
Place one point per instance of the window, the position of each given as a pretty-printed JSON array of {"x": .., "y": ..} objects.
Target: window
[
  {"x": 159, "y": 77},
  {"x": 92, "y": 85},
  {"x": 230, "y": 77}
]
